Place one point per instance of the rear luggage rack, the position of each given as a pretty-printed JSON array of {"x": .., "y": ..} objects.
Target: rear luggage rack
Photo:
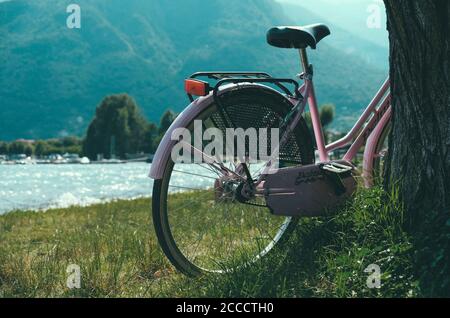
[
  {"x": 223, "y": 78},
  {"x": 222, "y": 75}
]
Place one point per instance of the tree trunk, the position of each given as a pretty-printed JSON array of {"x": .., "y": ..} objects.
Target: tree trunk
[
  {"x": 419, "y": 148},
  {"x": 419, "y": 157}
]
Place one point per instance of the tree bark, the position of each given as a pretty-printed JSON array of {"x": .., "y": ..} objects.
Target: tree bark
[
  {"x": 419, "y": 157},
  {"x": 418, "y": 162}
]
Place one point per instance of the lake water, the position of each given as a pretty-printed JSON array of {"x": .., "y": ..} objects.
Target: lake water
[
  {"x": 34, "y": 187},
  {"x": 41, "y": 187}
]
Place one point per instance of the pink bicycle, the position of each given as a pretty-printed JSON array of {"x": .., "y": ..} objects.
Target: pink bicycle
[{"x": 218, "y": 215}]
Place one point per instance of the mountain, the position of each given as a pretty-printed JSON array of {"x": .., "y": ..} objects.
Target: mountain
[
  {"x": 52, "y": 77},
  {"x": 349, "y": 41},
  {"x": 350, "y": 15}
]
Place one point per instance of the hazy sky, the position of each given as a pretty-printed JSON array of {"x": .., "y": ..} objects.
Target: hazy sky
[{"x": 351, "y": 15}]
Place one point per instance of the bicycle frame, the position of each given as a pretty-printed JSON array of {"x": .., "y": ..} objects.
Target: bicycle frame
[
  {"x": 372, "y": 121},
  {"x": 294, "y": 190},
  {"x": 364, "y": 132},
  {"x": 378, "y": 111},
  {"x": 359, "y": 134}
]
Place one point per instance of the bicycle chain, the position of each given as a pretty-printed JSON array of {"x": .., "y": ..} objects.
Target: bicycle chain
[{"x": 257, "y": 205}]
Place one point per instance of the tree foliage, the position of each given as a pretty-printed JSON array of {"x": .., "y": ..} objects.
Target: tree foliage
[
  {"x": 166, "y": 120},
  {"x": 118, "y": 128},
  {"x": 326, "y": 112},
  {"x": 18, "y": 148},
  {"x": 117, "y": 119},
  {"x": 42, "y": 148},
  {"x": 4, "y": 148}
]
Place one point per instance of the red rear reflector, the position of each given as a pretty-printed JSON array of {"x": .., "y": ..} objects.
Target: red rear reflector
[{"x": 196, "y": 87}]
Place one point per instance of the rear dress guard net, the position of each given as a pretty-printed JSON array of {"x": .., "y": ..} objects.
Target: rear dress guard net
[
  {"x": 224, "y": 78},
  {"x": 251, "y": 116}
]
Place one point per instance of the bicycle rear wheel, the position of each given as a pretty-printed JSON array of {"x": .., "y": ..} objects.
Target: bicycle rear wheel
[{"x": 200, "y": 224}]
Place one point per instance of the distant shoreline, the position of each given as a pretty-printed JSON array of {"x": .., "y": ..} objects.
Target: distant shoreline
[{"x": 105, "y": 162}]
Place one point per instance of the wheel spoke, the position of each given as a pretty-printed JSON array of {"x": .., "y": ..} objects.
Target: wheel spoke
[
  {"x": 195, "y": 174},
  {"x": 204, "y": 226},
  {"x": 185, "y": 188}
]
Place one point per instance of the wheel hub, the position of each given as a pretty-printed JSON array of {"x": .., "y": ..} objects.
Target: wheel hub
[
  {"x": 244, "y": 192},
  {"x": 226, "y": 189}
]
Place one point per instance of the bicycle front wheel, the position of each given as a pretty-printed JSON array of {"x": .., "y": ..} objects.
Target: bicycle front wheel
[{"x": 200, "y": 224}]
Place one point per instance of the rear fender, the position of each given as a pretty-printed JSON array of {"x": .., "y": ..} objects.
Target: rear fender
[{"x": 183, "y": 120}]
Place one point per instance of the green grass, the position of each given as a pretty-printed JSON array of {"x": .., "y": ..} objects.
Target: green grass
[{"x": 115, "y": 246}]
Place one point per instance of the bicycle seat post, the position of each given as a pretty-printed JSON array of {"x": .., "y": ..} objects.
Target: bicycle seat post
[{"x": 305, "y": 62}]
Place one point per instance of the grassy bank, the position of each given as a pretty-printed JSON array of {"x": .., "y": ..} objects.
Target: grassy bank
[{"x": 115, "y": 246}]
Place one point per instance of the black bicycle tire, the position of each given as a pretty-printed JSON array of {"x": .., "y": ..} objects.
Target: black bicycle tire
[{"x": 159, "y": 210}]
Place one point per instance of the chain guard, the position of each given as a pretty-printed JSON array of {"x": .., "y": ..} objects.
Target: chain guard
[{"x": 312, "y": 190}]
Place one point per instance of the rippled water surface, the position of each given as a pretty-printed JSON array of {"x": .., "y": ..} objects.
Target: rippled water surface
[
  {"x": 48, "y": 186},
  {"x": 40, "y": 187}
]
